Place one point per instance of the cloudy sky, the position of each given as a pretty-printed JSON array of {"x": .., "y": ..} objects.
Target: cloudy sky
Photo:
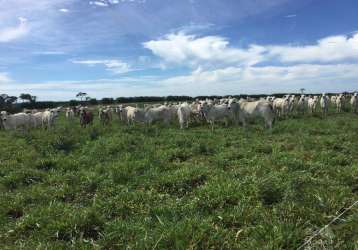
[{"x": 110, "y": 48}]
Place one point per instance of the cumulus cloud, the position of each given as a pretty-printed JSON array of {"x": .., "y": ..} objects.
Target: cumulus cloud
[
  {"x": 329, "y": 49},
  {"x": 13, "y": 33},
  {"x": 268, "y": 79},
  {"x": 115, "y": 66},
  {"x": 181, "y": 48},
  {"x": 226, "y": 81}
]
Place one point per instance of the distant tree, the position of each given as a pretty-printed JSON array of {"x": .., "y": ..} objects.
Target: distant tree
[
  {"x": 3, "y": 100},
  {"x": 11, "y": 100},
  {"x": 81, "y": 95},
  {"x": 25, "y": 97},
  {"x": 107, "y": 100},
  {"x": 302, "y": 90},
  {"x": 33, "y": 99},
  {"x": 93, "y": 101},
  {"x": 73, "y": 103}
]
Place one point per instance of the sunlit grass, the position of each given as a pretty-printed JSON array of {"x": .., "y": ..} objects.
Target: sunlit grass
[{"x": 121, "y": 187}]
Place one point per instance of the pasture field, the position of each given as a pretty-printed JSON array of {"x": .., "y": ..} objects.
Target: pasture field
[{"x": 120, "y": 187}]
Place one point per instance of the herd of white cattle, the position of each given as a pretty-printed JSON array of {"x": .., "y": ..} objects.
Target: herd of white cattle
[{"x": 211, "y": 111}]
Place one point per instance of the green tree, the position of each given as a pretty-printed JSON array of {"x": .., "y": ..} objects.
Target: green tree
[{"x": 81, "y": 95}]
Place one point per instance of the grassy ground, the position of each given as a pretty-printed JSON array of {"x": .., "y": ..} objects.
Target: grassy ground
[{"x": 117, "y": 187}]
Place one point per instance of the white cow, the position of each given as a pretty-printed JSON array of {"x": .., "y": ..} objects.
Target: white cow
[
  {"x": 340, "y": 102},
  {"x": 70, "y": 114},
  {"x": 302, "y": 104},
  {"x": 215, "y": 112},
  {"x": 49, "y": 117},
  {"x": 173, "y": 110},
  {"x": 134, "y": 114},
  {"x": 15, "y": 121},
  {"x": 122, "y": 113},
  {"x": 261, "y": 108},
  {"x": 354, "y": 102},
  {"x": 36, "y": 120},
  {"x": 324, "y": 104},
  {"x": 281, "y": 106},
  {"x": 161, "y": 113},
  {"x": 184, "y": 112},
  {"x": 333, "y": 100},
  {"x": 312, "y": 104},
  {"x": 292, "y": 103}
]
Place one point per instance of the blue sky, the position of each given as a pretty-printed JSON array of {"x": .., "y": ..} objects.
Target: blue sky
[{"x": 108, "y": 48}]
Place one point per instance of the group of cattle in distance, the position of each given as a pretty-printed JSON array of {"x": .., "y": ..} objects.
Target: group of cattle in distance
[{"x": 211, "y": 111}]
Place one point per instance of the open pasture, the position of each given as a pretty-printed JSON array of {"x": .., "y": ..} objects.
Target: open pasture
[{"x": 120, "y": 187}]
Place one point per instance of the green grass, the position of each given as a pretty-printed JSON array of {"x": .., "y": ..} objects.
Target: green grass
[{"x": 121, "y": 187}]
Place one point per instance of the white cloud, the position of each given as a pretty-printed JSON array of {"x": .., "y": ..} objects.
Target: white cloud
[
  {"x": 64, "y": 10},
  {"x": 4, "y": 77},
  {"x": 231, "y": 80},
  {"x": 99, "y": 3},
  {"x": 181, "y": 48},
  {"x": 115, "y": 66},
  {"x": 49, "y": 53},
  {"x": 291, "y": 16},
  {"x": 12, "y": 33},
  {"x": 329, "y": 49},
  {"x": 107, "y": 3},
  {"x": 216, "y": 52},
  {"x": 268, "y": 79}
]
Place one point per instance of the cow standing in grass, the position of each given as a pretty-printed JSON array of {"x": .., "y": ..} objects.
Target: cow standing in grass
[
  {"x": 340, "y": 103},
  {"x": 161, "y": 113},
  {"x": 312, "y": 104},
  {"x": 354, "y": 103},
  {"x": 213, "y": 112},
  {"x": 49, "y": 117},
  {"x": 302, "y": 104},
  {"x": 324, "y": 104},
  {"x": 250, "y": 110},
  {"x": 70, "y": 114},
  {"x": 281, "y": 106},
  {"x": 86, "y": 117},
  {"x": 184, "y": 113},
  {"x": 104, "y": 116},
  {"x": 13, "y": 122}
]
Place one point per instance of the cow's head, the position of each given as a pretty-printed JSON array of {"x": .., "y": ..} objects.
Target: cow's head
[
  {"x": 3, "y": 116},
  {"x": 203, "y": 106},
  {"x": 231, "y": 102}
]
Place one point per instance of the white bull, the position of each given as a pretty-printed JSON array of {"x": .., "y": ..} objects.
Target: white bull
[
  {"x": 214, "y": 113},
  {"x": 340, "y": 102},
  {"x": 161, "y": 113},
  {"x": 70, "y": 114},
  {"x": 15, "y": 121},
  {"x": 312, "y": 104},
  {"x": 324, "y": 104},
  {"x": 249, "y": 110},
  {"x": 134, "y": 114},
  {"x": 49, "y": 117},
  {"x": 184, "y": 113},
  {"x": 302, "y": 104},
  {"x": 281, "y": 106}
]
